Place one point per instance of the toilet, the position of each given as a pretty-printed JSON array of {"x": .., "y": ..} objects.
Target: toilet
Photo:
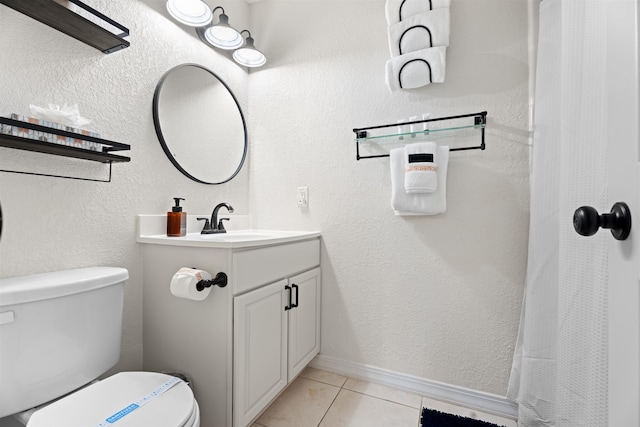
[{"x": 60, "y": 331}]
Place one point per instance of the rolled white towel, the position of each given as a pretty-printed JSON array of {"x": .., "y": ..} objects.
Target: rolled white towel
[
  {"x": 421, "y": 168},
  {"x": 399, "y": 10},
  {"x": 416, "y": 69},
  {"x": 421, "y": 31}
]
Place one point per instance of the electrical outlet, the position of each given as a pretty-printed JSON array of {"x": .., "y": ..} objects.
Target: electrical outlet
[{"x": 302, "y": 196}]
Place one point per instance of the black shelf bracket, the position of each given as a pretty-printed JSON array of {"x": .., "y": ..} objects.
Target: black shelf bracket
[{"x": 61, "y": 176}]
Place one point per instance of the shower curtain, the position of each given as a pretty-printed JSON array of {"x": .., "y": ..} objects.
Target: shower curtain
[{"x": 559, "y": 374}]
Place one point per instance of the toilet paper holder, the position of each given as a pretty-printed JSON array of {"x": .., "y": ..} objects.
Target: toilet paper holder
[{"x": 219, "y": 280}]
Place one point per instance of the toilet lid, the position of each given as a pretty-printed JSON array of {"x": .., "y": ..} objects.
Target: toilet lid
[{"x": 91, "y": 406}]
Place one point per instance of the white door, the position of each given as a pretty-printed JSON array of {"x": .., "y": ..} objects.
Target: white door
[
  {"x": 623, "y": 147},
  {"x": 260, "y": 350},
  {"x": 304, "y": 321}
]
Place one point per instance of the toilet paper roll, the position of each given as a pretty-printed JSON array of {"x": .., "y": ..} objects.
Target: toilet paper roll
[{"x": 183, "y": 284}]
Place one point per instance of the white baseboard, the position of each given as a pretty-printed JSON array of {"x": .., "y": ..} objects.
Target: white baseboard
[{"x": 486, "y": 402}]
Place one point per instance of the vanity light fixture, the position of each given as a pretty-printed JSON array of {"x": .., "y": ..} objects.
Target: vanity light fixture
[
  {"x": 248, "y": 55},
  {"x": 194, "y": 13},
  {"x": 222, "y": 35}
]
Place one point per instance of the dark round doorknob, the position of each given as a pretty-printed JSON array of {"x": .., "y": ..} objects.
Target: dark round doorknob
[{"x": 587, "y": 221}]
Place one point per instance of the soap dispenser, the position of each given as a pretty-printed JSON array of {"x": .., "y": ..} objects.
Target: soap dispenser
[{"x": 176, "y": 220}]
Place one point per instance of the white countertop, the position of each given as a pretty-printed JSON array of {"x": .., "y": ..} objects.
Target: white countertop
[{"x": 152, "y": 230}]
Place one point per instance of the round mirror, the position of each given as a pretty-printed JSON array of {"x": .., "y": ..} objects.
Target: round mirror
[{"x": 200, "y": 124}]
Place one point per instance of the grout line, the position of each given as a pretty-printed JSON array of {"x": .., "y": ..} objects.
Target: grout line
[
  {"x": 342, "y": 387},
  {"x": 419, "y": 409},
  {"x": 383, "y": 399},
  {"x": 423, "y": 405},
  {"x": 318, "y": 381},
  {"x": 332, "y": 402}
]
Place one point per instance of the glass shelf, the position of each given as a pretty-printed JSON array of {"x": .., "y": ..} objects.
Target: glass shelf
[
  {"x": 419, "y": 133},
  {"x": 459, "y": 132}
]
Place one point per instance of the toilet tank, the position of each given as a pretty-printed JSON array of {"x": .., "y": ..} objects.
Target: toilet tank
[{"x": 58, "y": 331}]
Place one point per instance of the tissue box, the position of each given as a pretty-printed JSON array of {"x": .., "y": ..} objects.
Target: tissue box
[{"x": 53, "y": 138}]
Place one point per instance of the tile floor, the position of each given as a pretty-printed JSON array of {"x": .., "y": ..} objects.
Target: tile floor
[{"x": 323, "y": 399}]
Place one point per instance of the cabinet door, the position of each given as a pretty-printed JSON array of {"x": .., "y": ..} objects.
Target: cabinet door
[
  {"x": 304, "y": 321},
  {"x": 260, "y": 350}
]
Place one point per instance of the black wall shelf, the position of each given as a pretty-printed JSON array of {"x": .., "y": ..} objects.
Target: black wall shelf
[
  {"x": 28, "y": 144},
  {"x": 71, "y": 23}
]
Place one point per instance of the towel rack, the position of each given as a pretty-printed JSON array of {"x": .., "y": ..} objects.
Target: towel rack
[{"x": 364, "y": 135}]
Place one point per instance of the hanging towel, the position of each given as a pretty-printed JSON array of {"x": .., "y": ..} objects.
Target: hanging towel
[
  {"x": 418, "y": 204},
  {"x": 399, "y": 10},
  {"x": 420, "y": 173},
  {"x": 421, "y": 31},
  {"x": 416, "y": 69}
]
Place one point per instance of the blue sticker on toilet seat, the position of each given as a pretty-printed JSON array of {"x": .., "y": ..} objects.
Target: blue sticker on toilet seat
[
  {"x": 136, "y": 405},
  {"x": 115, "y": 417}
]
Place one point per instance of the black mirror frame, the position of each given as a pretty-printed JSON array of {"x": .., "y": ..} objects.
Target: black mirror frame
[{"x": 165, "y": 147}]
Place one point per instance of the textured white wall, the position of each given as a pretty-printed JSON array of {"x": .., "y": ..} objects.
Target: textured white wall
[
  {"x": 436, "y": 297},
  {"x": 54, "y": 224}
]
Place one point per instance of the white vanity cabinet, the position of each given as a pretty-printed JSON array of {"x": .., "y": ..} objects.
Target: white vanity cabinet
[
  {"x": 276, "y": 334},
  {"x": 239, "y": 345}
]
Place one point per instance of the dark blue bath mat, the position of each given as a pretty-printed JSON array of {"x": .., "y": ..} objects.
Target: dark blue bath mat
[{"x": 433, "y": 418}]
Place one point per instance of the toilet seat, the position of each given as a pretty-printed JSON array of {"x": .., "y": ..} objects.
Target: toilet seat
[{"x": 175, "y": 407}]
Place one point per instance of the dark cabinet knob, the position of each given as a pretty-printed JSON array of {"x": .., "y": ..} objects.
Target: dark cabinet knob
[{"x": 587, "y": 221}]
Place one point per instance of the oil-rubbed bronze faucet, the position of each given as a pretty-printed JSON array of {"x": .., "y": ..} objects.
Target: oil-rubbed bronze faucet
[{"x": 215, "y": 226}]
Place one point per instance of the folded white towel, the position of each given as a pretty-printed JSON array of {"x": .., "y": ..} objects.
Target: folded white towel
[
  {"x": 416, "y": 69},
  {"x": 421, "y": 31},
  {"x": 418, "y": 204},
  {"x": 399, "y": 10},
  {"x": 420, "y": 173}
]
